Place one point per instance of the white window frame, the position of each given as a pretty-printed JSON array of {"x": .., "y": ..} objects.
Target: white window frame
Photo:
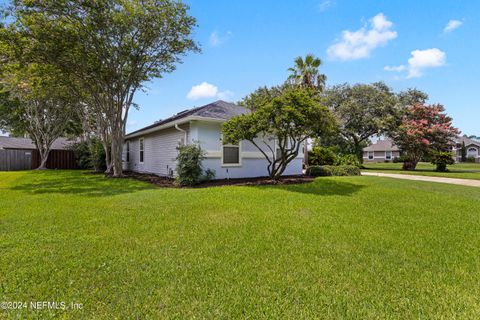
[
  {"x": 239, "y": 146},
  {"x": 141, "y": 149},
  {"x": 373, "y": 155},
  {"x": 391, "y": 155}
]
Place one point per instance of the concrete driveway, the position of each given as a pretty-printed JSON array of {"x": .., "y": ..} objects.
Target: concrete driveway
[{"x": 463, "y": 182}]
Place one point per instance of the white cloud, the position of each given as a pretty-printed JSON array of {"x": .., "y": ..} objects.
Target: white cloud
[
  {"x": 394, "y": 68},
  {"x": 207, "y": 90},
  {"x": 421, "y": 60},
  {"x": 359, "y": 44},
  {"x": 452, "y": 25},
  {"x": 325, "y": 4},
  {"x": 217, "y": 40}
]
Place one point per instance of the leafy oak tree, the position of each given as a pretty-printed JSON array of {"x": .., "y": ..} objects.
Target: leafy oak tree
[
  {"x": 111, "y": 47},
  {"x": 363, "y": 110},
  {"x": 425, "y": 130},
  {"x": 42, "y": 103},
  {"x": 37, "y": 97},
  {"x": 279, "y": 126}
]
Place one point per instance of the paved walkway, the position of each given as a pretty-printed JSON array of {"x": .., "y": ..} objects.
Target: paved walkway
[{"x": 463, "y": 182}]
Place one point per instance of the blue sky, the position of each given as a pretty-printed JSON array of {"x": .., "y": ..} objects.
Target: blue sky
[
  {"x": 247, "y": 44},
  {"x": 431, "y": 45}
]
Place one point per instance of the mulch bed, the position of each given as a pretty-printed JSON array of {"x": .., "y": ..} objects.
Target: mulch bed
[{"x": 166, "y": 182}]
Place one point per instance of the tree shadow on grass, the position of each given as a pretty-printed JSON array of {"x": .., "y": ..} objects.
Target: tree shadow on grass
[
  {"x": 77, "y": 182},
  {"x": 321, "y": 187}
]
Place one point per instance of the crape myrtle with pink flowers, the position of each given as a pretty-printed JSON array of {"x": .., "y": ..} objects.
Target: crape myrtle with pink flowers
[{"x": 425, "y": 131}]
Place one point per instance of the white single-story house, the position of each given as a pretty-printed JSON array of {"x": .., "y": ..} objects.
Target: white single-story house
[
  {"x": 382, "y": 150},
  {"x": 153, "y": 149},
  {"x": 472, "y": 148}
]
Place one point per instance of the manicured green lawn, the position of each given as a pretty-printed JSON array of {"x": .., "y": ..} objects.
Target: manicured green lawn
[
  {"x": 340, "y": 247},
  {"x": 458, "y": 170}
]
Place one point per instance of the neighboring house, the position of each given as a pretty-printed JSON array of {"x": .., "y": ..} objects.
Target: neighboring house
[
  {"x": 382, "y": 150},
  {"x": 22, "y": 154},
  {"x": 472, "y": 146},
  {"x": 385, "y": 150},
  {"x": 153, "y": 149}
]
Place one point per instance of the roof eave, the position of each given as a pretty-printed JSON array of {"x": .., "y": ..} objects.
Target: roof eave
[{"x": 172, "y": 124}]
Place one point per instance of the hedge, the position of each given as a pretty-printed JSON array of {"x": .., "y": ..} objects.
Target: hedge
[{"x": 320, "y": 171}]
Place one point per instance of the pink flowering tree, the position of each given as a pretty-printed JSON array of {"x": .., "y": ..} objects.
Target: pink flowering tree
[{"x": 424, "y": 129}]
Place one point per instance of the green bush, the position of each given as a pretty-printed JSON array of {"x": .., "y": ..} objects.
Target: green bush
[
  {"x": 347, "y": 160},
  {"x": 320, "y": 156},
  {"x": 441, "y": 160},
  {"x": 344, "y": 170},
  {"x": 189, "y": 164},
  {"x": 470, "y": 159},
  {"x": 90, "y": 154}
]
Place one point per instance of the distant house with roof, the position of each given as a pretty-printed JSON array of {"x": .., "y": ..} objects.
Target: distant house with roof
[
  {"x": 472, "y": 147},
  {"x": 386, "y": 150},
  {"x": 153, "y": 149},
  {"x": 381, "y": 150},
  {"x": 22, "y": 154}
]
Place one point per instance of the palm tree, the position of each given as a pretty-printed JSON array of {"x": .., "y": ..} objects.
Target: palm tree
[{"x": 306, "y": 73}]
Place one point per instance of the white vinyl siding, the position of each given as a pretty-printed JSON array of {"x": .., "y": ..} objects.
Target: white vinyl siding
[{"x": 160, "y": 152}]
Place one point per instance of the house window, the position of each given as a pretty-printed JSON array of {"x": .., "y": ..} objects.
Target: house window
[
  {"x": 388, "y": 155},
  {"x": 128, "y": 151},
  {"x": 370, "y": 155},
  {"x": 142, "y": 152},
  {"x": 231, "y": 154},
  {"x": 472, "y": 152}
]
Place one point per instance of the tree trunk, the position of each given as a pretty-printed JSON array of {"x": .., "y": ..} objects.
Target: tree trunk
[
  {"x": 108, "y": 160},
  {"x": 359, "y": 152},
  {"x": 43, "y": 159},
  {"x": 305, "y": 153},
  {"x": 117, "y": 141},
  {"x": 410, "y": 165}
]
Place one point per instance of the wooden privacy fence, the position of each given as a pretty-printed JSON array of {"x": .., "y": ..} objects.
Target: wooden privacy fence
[{"x": 12, "y": 159}]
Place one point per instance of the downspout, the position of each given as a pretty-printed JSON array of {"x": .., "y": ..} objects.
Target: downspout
[{"x": 184, "y": 131}]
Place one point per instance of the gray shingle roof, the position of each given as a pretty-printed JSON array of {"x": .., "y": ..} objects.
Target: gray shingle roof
[
  {"x": 217, "y": 110},
  {"x": 25, "y": 143},
  {"x": 382, "y": 145},
  {"x": 467, "y": 141}
]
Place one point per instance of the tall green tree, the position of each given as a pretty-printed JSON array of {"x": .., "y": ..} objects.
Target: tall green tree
[
  {"x": 278, "y": 127},
  {"x": 306, "y": 72},
  {"x": 411, "y": 96},
  {"x": 463, "y": 152},
  {"x": 37, "y": 95},
  {"x": 363, "y": 110},
  {"x": 112, "y": 47},
  {"x": 42, "y": 103}
]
